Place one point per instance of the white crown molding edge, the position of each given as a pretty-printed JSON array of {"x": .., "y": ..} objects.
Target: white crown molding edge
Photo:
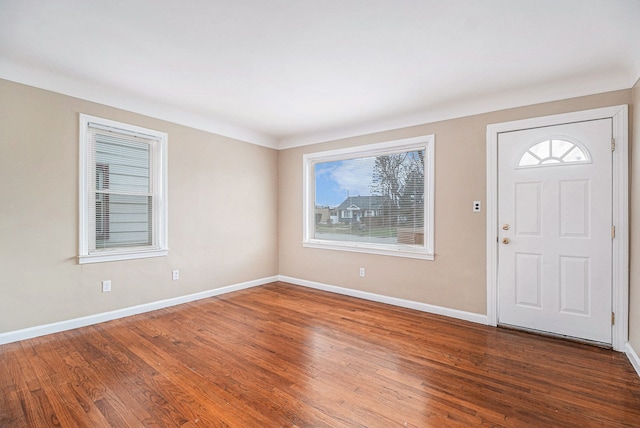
[
  {"x": 409, "y": 304},
  {"x": 56, "y": 327},
  {"x": 93, "y": 92},
  {"x": 50, "y": 80},
  {"x": 487, "y": 103}
]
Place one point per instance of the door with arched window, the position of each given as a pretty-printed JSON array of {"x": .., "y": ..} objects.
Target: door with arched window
[{"x": 555, "y": 217}]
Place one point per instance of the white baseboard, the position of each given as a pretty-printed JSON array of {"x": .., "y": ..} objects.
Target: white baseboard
[
  {"x": 28, "y": 333},
  {"x": 424, "y": 307},
  {"x": 41, "y": 330},
  {"x": 633, "y": 357}
]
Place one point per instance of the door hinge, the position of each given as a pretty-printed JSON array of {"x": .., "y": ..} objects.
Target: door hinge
[
  {"x": 613, "y": 144},
  {"x": 613, "y": 318},
  {"x": 613, "y": 232}
]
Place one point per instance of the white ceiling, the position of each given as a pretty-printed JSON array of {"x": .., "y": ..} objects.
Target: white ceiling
[{"x": 283, "y": 73}]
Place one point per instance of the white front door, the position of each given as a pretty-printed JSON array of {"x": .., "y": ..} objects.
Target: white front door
[{"x": 555, "y": 229}]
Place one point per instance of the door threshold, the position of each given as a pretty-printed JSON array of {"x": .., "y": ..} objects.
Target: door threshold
[{"x": 556, "y": 336}]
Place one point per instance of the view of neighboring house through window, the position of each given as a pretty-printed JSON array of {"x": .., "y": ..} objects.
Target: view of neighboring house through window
[
  {"x": 124, "y": 205},
  {"x": 375, "y": 198},
  {"x": 123, "y": 210}
]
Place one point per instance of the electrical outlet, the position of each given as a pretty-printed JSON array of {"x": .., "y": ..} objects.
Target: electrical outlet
[
  {"x": 362, "y": 272},
  {"x": 477, "y": 205},
  {"x": 106, "y": 286},
  {"x": 175, "y": 275}
]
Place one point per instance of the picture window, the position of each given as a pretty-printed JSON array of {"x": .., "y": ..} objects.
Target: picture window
[{"x": 375, "y": 199}]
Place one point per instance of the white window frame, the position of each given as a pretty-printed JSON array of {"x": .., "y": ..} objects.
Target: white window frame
[
  {"x": 159, "y": 247},
  {"x": 424, "y": 142}
]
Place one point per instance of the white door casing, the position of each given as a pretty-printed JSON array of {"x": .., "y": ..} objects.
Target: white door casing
[
  {"x": 618, "y": 115},
  {"x": 554, "y": 211}
]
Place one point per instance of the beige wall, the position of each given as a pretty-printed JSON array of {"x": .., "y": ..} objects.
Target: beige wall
[
  {"x": 634, "y": 256},
  {"x": 222, "y": 214},
  {"x": 457, "y": 278},
  {"x": 225, "y": 224}
]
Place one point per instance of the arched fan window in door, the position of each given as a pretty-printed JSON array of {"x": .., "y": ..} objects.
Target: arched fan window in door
[{"x": 554, "y": 152}]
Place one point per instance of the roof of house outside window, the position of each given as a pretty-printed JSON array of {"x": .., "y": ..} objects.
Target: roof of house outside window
[{"x": 372, "y": 202}]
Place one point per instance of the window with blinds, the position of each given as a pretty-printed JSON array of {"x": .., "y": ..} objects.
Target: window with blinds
[
  {"x": 375, "y": 199},
  {"x": 123, "y": 195}
]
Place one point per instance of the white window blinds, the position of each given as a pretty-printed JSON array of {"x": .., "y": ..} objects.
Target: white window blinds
[{"x": 124, "y": 200}]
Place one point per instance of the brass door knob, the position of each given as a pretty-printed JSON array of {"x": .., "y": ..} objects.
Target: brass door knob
[{"x": 505, "y": 241}]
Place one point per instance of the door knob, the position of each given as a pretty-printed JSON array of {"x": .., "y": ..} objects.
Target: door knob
[{"x": 505, "y": 241}]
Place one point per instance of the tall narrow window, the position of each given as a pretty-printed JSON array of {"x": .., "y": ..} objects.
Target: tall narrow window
[
  {"x": 102, "y": 202},
  {"x": 376, "y": 199},
  {"x": 123, "y": 191}
]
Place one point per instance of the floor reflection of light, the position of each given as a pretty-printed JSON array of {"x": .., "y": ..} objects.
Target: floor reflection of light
[{"x": 357, "y": 377}]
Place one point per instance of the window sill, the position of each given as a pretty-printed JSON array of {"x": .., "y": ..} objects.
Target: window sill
[
  {"x": 120, "y": 255},
  {"x": 395, "y": 251}
]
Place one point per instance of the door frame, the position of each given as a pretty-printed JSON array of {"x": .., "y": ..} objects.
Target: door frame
[{"x": 620, "y": 209}]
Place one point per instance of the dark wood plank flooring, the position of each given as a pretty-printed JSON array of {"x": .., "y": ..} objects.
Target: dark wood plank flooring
[{"x": 281, "y": 355}]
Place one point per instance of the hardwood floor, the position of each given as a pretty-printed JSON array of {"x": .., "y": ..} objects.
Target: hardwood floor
[{"x": 281, "y": 355}]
